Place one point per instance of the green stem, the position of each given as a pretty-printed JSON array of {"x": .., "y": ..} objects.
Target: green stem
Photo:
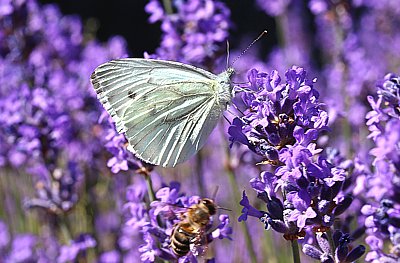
[
  {"x": 235, "y": 189},
  {"x": 281, "y": 24},
  {"x": 6, "y": 191},
  {"x": 330, "y": 240},
  {"x": 295, "y": 251},
  {"x": 167, "y": 6},
  {"x": 150, "y": 191},
  {"x": 90, "y": 203},
  {"x": 269, "y": 248},
  {"x": 66, "y": 233},
  {"x": 152, "y": 196},
  {"x": 200, "y": 173},
  {"x": 236, "y": 199},
  {"x": 338, "y": 58}
]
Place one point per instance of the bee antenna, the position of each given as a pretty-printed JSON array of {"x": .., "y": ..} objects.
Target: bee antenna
[
  {"x": 223, "y": 208},
  {"x": 215, "y": 193},
  {"x": 249, "y": 46}
]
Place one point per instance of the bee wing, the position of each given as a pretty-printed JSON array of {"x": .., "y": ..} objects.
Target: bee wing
[{"x": 166, "y": 109}]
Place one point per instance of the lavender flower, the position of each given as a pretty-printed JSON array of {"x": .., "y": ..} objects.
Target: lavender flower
[
  {"x": 48, "y": 110},
  {"x": 383, "y": 211},
  {"x": 27, "y": 247},
  {"x": 53, "y": 129},
  {"x": 110, "y": 257},
  {"x": 4, "y": 236},
  {"x": 195, "y": 34},
  {"x": 281, "y": 123},
  {"x": 279, "y": 114},
  {"x": 353, "y": 59},
  {"x": 70, "y": 252},
  {"x": 341, "y": 253},
  {"x": 157, "y": 223},
  {"x": 274, "y": 7},
  {"x": 49, "y": 117},
  {"x": 57, "y": 193},
  {"x": 122, "y": 159},
  {"x": 20, "y": 248}
]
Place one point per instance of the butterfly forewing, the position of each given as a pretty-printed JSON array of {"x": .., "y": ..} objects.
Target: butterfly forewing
[{"x": 166, "y": 109}]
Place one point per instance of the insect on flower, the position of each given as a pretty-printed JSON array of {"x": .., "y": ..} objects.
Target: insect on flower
[
  {"x": 191, "y": 230},
  {"x": 166, "y": 109}
]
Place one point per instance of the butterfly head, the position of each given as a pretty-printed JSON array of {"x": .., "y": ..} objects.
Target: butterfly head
[
  {"x": 225, "y": 87},
  {"x": 230, "y": 71}
]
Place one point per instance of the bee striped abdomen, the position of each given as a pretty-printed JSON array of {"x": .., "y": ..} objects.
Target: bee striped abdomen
[{"x": 180, "y": 241}]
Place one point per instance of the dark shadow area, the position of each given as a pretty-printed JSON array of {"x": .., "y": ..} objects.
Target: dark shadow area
[{"x": 128, "y": 19}]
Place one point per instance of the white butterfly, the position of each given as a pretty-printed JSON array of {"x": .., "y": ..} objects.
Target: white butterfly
[{"x": 166, "y": 109}]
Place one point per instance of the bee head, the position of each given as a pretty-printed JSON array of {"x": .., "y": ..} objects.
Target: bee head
[{"x": 209, "y": 204}]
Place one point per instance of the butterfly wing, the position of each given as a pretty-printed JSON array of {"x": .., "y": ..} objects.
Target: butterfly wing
[{"x": 166, "y": 109}]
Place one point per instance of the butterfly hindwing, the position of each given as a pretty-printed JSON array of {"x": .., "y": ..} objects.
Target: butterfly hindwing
[{"x": 166, "y": 109}]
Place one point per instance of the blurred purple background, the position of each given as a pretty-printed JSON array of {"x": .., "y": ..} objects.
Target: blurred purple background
[{"x": 308, "y": 158}]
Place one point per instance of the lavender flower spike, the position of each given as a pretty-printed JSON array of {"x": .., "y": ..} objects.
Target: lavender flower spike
[
  {"x": 282, "y": 122},
  {"x": 382, "y": 212}
]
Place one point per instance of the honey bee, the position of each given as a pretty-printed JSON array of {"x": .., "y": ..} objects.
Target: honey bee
[{"x": 192, "y": 228}]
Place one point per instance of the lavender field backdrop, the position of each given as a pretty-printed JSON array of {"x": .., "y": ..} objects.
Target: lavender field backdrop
[{"x": 307, "y": 157}]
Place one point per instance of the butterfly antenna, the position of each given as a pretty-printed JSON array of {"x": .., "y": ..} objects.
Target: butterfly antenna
[
  {"x": 233, "y": 113},
  {"x": 252, "y": 43},
  {"x": 240, "y": 89},
  {"x": 227, "y": 53},
  {"x": 241, "y": 112},
  {"x": 227, "y": 118}
]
